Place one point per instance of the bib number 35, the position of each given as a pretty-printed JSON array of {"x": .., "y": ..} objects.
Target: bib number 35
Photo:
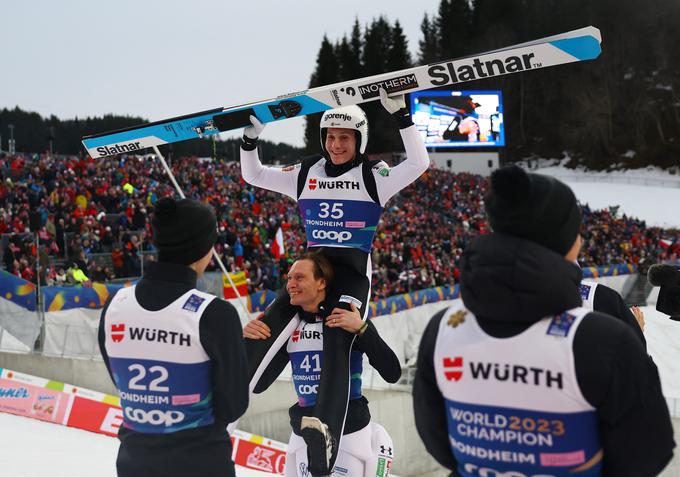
[{"x": 334, "y": 211}]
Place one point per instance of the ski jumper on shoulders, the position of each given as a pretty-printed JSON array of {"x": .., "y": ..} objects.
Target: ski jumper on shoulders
[{"x": 340, "y": 206}]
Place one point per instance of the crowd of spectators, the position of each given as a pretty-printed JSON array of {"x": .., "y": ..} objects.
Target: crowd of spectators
[{"x": 94, "y": 218}]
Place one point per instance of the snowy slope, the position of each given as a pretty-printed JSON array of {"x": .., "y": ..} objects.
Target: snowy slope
[
  {"x": 32, "y": 448},
  {"x": 650, "y": 194}
]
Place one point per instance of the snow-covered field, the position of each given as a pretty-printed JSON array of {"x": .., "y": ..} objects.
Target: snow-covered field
[
  {"x": 32, "y": 448},
  {"x": 650, "y": 194}
]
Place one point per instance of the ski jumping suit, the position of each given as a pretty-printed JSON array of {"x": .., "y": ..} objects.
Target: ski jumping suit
[
  {"x": 340, "y": 208},
  {"x": 177, "y": 357},
  {"x": 367, "y": 449}
]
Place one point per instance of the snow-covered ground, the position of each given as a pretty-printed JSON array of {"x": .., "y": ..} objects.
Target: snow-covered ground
[
  {"x": 650, "y": 194},
  {"x": 32, "y": 448}
]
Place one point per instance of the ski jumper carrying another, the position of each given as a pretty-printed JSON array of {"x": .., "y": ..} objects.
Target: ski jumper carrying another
[
  {"x": 367, "y": 449},
  {"x": 341, "y": 195}
]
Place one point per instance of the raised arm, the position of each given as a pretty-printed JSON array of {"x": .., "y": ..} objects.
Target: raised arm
[
  {"x": 282, "y": 180},
  {"x": 388, "y": 180}
]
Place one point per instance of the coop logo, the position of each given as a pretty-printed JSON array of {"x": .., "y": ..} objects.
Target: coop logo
[
  {"x": 305, "y": 389},
  {"x": 454, "y": 368},
  {"x": 453, "y": 72},
  {"x": 332, "y": 235},
  {"x": 477, "y": 471},
  {"x": 392, "y": 85},
  {"x": 118, "y": 333},
  {"x": 155, "y": 417}
]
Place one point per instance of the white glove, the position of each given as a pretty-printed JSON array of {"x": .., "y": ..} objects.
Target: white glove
[
  {"x": 394, "y": 104},
  {"x": 253, "y": 132}
]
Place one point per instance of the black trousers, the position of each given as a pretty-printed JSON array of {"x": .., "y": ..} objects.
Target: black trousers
[
  {"x": 352, "y": 279},
  {"x": 204, "y": 451}
]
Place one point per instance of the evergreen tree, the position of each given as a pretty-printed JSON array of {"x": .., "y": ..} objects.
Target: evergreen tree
[
  {"x": 428, "y": 46},
  {"x": 454, "y": 28},
  {"x": 377, "y": 42},
  {"x": 398, "y": 56},
  {"x": 327, "y": 71}
]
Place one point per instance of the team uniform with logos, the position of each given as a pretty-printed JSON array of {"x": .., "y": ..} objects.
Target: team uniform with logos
[
  {"x": 543, "y": 425},
  {"x": 366, "y": 449},
  {"x": 340, "y": 207},
  {"x": 520, "y": 380},
  {"x": 162, "y": 343}
]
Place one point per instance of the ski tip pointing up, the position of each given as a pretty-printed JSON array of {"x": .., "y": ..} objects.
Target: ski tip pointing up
[{"x": 570, "y": 47}]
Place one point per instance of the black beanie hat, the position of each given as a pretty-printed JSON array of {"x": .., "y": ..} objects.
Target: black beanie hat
[
  {"x": 534, "y": 207},
  {"x": 183, "y": 231}
]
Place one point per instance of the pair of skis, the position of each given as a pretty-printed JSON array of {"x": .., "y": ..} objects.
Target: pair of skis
[{"x": 570, "y": 47}]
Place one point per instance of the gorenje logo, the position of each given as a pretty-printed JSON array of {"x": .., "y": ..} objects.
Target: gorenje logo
[
  {"x": 453, "y": 368},
  {"x": 453, "y": 371},
  {"x": 312, "y": 184},
  {"x": 331, "y": 235},
  {"x": 118, "y": 333},
  {"x": 160, "y": 336},
  {"x": 154, "y": 417},
  {"x": 340, "y": 116},
  {"x": 447, "y": 73}
]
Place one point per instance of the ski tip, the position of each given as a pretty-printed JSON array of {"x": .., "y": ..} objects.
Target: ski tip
[{"x": 582, "y": 48}]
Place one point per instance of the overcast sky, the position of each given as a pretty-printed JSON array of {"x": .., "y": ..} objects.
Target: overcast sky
[{"x": 159, "y": 59}]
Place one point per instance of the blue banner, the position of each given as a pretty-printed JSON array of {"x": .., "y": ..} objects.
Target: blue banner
[{"x": 23, "y": 293}]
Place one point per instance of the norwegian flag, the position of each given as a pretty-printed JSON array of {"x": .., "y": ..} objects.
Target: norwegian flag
[
  {"x": 665, "y": 243},
  {"x": 278, "y": 247}
]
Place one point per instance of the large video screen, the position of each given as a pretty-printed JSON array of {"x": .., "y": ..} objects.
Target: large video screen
[{"x": 450, "y": 119}]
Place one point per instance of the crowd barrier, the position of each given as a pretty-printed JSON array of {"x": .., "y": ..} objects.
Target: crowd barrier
[
  {"x": 69, "y": 316},
  {"x": 73, "y": 406}
]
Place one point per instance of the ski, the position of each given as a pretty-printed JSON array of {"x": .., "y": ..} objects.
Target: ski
[{"x": 570, "y": 47}]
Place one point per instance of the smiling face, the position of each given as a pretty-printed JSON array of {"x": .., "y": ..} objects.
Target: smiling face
[
  {"x": 341, "y": 144},
  {"x": 305, "y": 291}
]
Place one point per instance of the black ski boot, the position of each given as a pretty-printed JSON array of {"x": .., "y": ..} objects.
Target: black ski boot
[{"x": 321, "y": 446}]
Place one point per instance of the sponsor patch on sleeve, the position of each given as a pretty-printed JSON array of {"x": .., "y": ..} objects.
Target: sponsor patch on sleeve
[
  {"x": 382, "y": 169},
  {"x": 290, "y": 168},
  {"x": 561, "y": 324},
  {"x": 193, "y": 303},
  {"x": 350, "y": 299}
]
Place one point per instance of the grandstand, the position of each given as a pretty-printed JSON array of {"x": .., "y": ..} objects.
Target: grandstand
[{"x": 96, "y": 214}]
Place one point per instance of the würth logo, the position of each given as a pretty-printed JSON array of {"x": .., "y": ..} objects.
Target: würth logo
[
  {"x": 296, "y": 336},
  {"x": 312, "y": 184},
  {"x": 453, "y": 368},
  {"x": 117, "y": 333}
]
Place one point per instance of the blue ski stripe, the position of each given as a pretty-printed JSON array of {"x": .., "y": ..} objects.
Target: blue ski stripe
[
  {"x": 582, "y": 47},
  {"x": 180, "y": 130}
]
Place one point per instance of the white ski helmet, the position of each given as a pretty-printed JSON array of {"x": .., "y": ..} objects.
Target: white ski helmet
[{"x": 348, "y": 117}]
